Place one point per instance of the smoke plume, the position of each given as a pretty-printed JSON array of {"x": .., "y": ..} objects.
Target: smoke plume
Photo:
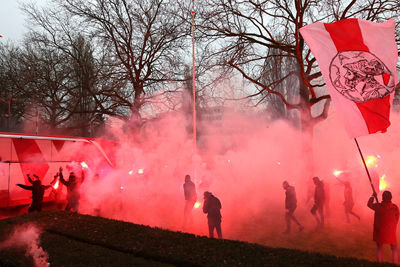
[
  {"x": 243, "y": 159},
  {"x": 27, "y": 237}
]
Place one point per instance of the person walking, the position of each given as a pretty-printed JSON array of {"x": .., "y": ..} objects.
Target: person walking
[
  {"x": 348, "y": 200},
  {"x": 212, "y": 207},
  {"x": 319, "y": 201},
  {"x": 290, "y": 206}
]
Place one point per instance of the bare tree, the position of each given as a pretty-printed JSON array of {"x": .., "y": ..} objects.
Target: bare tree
[
  {"x": 83, "y": 83},
  {"x": 146, "y": 39},
  {"x": 43, "y": 72},
  {"x": 81, "y": 96},
  {"x": 12, "y": 100},
  {"x": 281, "y": 74}
]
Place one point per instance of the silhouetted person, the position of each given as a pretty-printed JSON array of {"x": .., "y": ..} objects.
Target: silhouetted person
[
  {"x": 212, "y": 207},
  {"x": 73, "y": 190},
  {"x": 290, "y": 206},
  {"x": 37, "y": 192},
  {"x": 386, "y": 218},
  {"x": 189, "y": 190},
  {"x": 319, "y": 201},
  {"x": 348, "y": 200}
]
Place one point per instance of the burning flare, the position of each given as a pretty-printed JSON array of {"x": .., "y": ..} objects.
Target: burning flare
[
  {"x": 84, "y": 165},
  {"x": 383, "y": 184},
  {"x": 371, "y": 161},
  {"x": 337, "y": 173},
  {"x": 55, "y": 186},
  {"x": 140, "y": 171},
  {"x": 197, "y": 204}
]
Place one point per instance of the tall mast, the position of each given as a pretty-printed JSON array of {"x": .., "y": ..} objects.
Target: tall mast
[{"x": 194, "y": 85}]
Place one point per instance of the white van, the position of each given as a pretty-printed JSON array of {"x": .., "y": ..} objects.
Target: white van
[{"x": 43, "y": 155}]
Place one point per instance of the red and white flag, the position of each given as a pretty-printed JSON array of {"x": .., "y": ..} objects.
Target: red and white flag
[{"x": 357, "y": 59}]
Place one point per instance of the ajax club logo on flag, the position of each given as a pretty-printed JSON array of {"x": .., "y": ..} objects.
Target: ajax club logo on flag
[{"x": 360, "y": 76}]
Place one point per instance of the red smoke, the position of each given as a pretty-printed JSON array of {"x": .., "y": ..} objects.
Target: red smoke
[
  {"x": 27, "y": 237},
  {"x": 243, "y": 163}
]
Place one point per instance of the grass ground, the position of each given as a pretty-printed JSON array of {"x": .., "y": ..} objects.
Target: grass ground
[{"x": 72, "y": 239}]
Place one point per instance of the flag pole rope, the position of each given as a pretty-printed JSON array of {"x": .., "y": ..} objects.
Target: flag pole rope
[{"x": 366, "y": 169}]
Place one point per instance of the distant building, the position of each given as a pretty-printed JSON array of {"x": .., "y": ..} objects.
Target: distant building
[{"x": 396, "y": 99}]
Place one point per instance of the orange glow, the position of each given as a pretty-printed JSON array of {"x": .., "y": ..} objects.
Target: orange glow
[
  {"x": 197, "y": 204},
  {"x": 337, "y": 173},
  {"x": 383, "y": 184},
  {"x": 371, "y": 161},
  {"x": 140, "y": 171},
  {"x": 84, "y": 165},
  {"x": 55, "y": 186}
]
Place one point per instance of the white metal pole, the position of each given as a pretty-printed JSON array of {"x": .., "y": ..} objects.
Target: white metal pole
[{"x": 194, "y": 84}]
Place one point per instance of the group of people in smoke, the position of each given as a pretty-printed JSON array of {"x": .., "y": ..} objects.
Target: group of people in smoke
[
  {"x": 73, "y": 190},
  {"x": 291, "y": 204},
  {"x": 317, "y": 209},
  {"x": 386, "y": 214}
]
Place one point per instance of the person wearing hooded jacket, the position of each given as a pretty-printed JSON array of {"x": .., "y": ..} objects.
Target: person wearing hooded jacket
[
  {"x": 189, "y": 190},
  {"x": 212, "y": 207},
  {"x": 73, "y": 190},
  {"x": 37, "y": 192},
  {"x": 319, "y": 201},
  {"x": 348, "y": 200},
  {"x": 386, "y": 217},
  {"x": 290, "y": 206}
]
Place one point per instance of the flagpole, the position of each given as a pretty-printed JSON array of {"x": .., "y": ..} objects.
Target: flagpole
[
  {"x": 194, "y": 84},
  {"x": 366, "y": 169},
  {"x": 194, "y": 100}
]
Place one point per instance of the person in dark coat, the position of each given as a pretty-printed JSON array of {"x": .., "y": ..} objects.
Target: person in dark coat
[
  {"x": 73, "y": 190},
  {"x": 290, "y": 206},
  {"x": 386, "y": 217},
  {"x": 348, "y": 200},
  {"x": 212, "y": 207},
  {"x": 319, "y": 201},
  {"x": 37, "y": 192},
  {"x": 189, "y": 190}
]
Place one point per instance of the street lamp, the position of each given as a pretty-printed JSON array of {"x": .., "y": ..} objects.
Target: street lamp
[{"x": 8, "y": 102}]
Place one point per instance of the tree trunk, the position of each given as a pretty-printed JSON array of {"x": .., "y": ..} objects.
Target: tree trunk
[
  {"x": 307, "y": 128},
  {"x": 135, "y": 122}
]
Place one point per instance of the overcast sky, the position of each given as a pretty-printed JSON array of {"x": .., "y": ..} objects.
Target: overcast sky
[{"x": 12, "y": 20}]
